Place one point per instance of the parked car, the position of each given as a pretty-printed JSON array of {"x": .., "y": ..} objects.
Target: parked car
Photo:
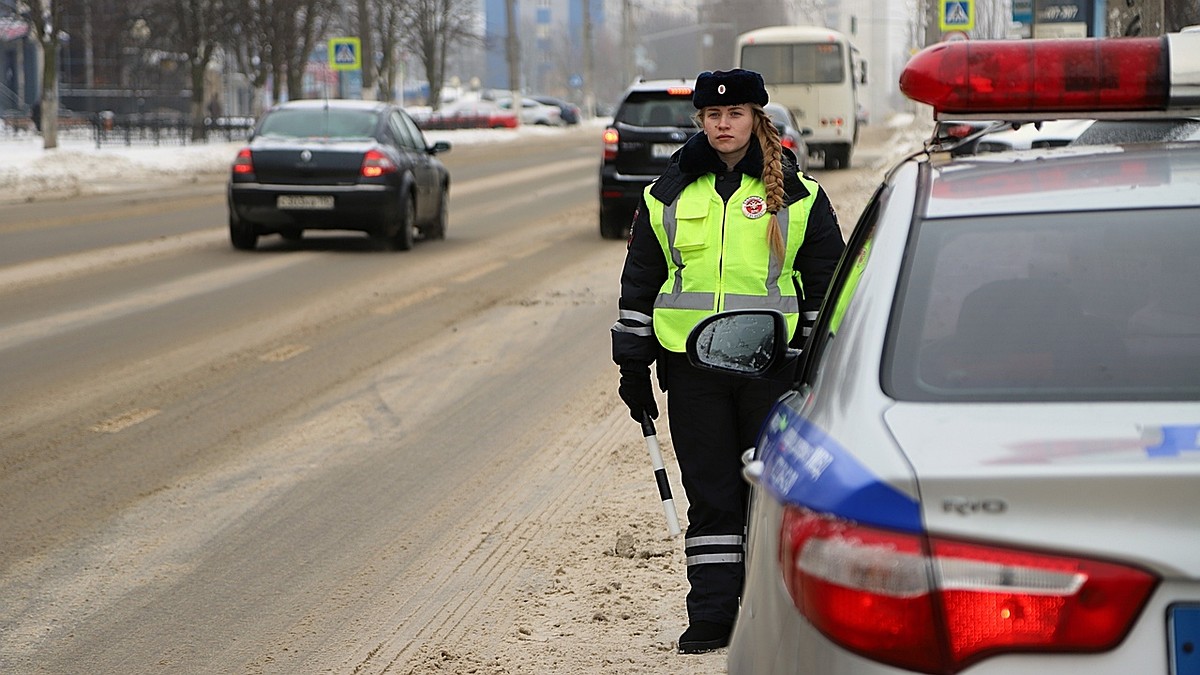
[
  {"x": 533, "y": 112},
  {"x": 652, "y": 121},
  {"x": 468, "y": 115},
  {"x": 988, "y": 462},
  {"x": 568, "y": 111},
  {"x": 338, "y": 165},
  {"x": 989, "y": 136},
  {"x": 790, "y": 135}
]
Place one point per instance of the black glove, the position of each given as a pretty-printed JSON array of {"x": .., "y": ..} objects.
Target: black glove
[{"x": 637, "y": 393}]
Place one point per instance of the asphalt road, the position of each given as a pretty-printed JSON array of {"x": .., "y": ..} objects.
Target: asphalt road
[{"x": 288, "y": 460}]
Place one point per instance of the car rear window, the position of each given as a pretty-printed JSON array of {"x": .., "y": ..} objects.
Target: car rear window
[
  {"x": 1081, "y": 306},
  {"x": 656, "y": 109},
  {"x": 320, "y": 123}
]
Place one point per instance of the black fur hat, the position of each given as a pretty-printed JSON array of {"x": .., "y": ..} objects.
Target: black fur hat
[{"x": 729, "y": 87}]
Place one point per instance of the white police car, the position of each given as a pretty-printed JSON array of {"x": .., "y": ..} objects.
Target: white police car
[{"x": 990, "y": 462}]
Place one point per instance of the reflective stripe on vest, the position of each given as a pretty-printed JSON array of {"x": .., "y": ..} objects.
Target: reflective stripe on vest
[{"x": 699, "y": 257}]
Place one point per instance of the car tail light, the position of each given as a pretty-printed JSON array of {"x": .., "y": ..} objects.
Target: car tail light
[
  {"x": 375, "y": 164},
  {"x": 937, "y": 605},
  {"x": 611, "y": 138},
  {"x": 244, "y": 163},
  {"x": 787, "y": 142}
]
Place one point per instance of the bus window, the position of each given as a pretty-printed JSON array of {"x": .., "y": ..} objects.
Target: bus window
[{"x": 795, "y": 63}]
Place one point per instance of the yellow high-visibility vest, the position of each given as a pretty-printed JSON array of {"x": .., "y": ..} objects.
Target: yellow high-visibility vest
[{"x": 718, "y": 257}]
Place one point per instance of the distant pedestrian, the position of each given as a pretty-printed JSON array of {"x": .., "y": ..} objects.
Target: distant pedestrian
[{"x": 35, "y": 113}]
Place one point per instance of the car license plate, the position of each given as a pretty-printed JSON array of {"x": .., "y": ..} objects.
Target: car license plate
[
  {"x": 305, "y": 202},
  {"x": 1183, "y": 624},
  {"x": 659, "y": 150}
]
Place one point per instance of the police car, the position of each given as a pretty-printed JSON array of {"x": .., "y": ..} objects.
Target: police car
[{"x": 990, "y": 461}]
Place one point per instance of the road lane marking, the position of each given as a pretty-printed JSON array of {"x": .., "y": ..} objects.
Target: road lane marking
[
  {"x": 114, "y": 425},
  {"x": 472, "y": 275},
  {"x": 63, "y": 266},
  {"x": 144, "y": 300},
  {"x": 410, "y": 299},
  {"x": 283, "y": 353},
  {"x": 509, "y": 179},
  {"x": 18, "y": 276}
]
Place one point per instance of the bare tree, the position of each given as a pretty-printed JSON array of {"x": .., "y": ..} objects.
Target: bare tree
[
  {"x": 432, "y": 27},
  {"x": 44, "y": 18},
  {"x": 365, "y": 21},
  {"x": 252, "y": 45},
  {"x": 299, "y": 26},
  {"x": 388, "y": 22},
  {"x": 194, "y": 28}
]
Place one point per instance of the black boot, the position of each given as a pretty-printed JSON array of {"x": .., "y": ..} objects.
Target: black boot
[{"x": 704, "y": 636}]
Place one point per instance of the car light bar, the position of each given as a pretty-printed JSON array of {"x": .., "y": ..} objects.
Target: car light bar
[{"x": 1031, "y": 78}]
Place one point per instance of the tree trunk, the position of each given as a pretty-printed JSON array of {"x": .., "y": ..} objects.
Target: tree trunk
[
  {"x": 197, "y": 104},
  {"x": 368, "y": 51},
  {"x": 49, "y": 92}
]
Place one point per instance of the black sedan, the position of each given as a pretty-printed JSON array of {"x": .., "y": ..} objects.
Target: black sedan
[{"x": 338, "y": 165}]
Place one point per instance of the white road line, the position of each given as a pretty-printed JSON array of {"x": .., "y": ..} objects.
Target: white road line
[
  {"x": 149, "y": 298},
  {"x": 63, "y": 266},
  {"x": 410, "y": 299},
  {"x": 283, "y": 353},
  {"x": 511, "y": 178},
  {"x": 125, "y": 420}
]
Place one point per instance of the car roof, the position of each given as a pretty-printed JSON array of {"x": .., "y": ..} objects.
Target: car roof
[
  {"x": 657, "y": 85},
  {"x": 1065, "y": 179},
  {"x": 341, "y": 103}
]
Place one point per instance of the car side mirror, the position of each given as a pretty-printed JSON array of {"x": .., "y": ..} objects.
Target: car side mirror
[
  {"x": 440, "y": 146},
  {"x": 750, "y": 343},
  {"x": 805, "y": 132}
]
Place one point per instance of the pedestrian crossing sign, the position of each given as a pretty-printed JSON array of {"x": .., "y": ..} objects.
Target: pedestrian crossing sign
[
  {"x": 345, "y": 53},
  {"x": 956, "y": 15}
]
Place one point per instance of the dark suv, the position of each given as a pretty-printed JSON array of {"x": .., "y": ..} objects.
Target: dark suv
[{"x": 653, "y": 120}]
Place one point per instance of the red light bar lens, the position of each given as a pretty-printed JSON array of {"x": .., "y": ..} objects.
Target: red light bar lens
[
  {"x": 1037, "y": 76},
  {"x": 680, "y": 91}
]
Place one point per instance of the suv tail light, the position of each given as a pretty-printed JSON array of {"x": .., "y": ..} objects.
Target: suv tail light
[
  {"x": 244, "y": 162},
  {"x": 611, "y": 138},
  {"x": 376, "y": 164},
  {"x": 936, "y": 605}
]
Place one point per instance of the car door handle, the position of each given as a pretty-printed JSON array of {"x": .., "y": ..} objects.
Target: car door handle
[{"x": 752, "y": 469}]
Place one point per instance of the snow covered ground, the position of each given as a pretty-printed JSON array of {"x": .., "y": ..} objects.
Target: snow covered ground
[{"x": 78, "y": 167}]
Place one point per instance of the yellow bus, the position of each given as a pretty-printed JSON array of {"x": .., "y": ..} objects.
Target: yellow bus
[{"x": 816, "y": 73}]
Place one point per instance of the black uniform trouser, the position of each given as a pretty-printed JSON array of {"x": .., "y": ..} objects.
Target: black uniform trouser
[{"x": 713, "y": 419}]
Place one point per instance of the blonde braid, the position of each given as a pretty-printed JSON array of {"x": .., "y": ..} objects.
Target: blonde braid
[{"x": 772, "y": 175}]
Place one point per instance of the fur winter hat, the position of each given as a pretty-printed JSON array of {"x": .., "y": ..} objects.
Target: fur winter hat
[{"x": 729, "y": 87}]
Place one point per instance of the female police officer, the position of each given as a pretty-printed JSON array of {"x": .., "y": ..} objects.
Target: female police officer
[{"x": 731, "y": 223}]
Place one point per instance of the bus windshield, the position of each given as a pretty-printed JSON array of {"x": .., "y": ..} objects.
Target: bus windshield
[{"x": 814, "y": 63}]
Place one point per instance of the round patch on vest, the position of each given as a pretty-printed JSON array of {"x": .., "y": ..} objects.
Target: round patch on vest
[{"x": 754, "y": 207}]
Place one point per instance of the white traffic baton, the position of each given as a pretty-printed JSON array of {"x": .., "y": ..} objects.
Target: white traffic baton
[{"x": 660, "y": 474}]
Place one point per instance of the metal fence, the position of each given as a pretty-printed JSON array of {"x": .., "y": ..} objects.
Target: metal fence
[
  {"x": 165, "y": 129},
  {"x": 132, "y": 129}
]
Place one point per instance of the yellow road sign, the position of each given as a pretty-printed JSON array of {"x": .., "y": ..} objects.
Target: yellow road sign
[{"x": 345, "y": 53}]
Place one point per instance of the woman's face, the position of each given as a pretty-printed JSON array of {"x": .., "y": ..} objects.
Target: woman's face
[{"x": 728, "y": 129}]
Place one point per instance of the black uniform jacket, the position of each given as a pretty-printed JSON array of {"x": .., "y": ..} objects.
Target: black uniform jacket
[{"x": 646, "y": 267}]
